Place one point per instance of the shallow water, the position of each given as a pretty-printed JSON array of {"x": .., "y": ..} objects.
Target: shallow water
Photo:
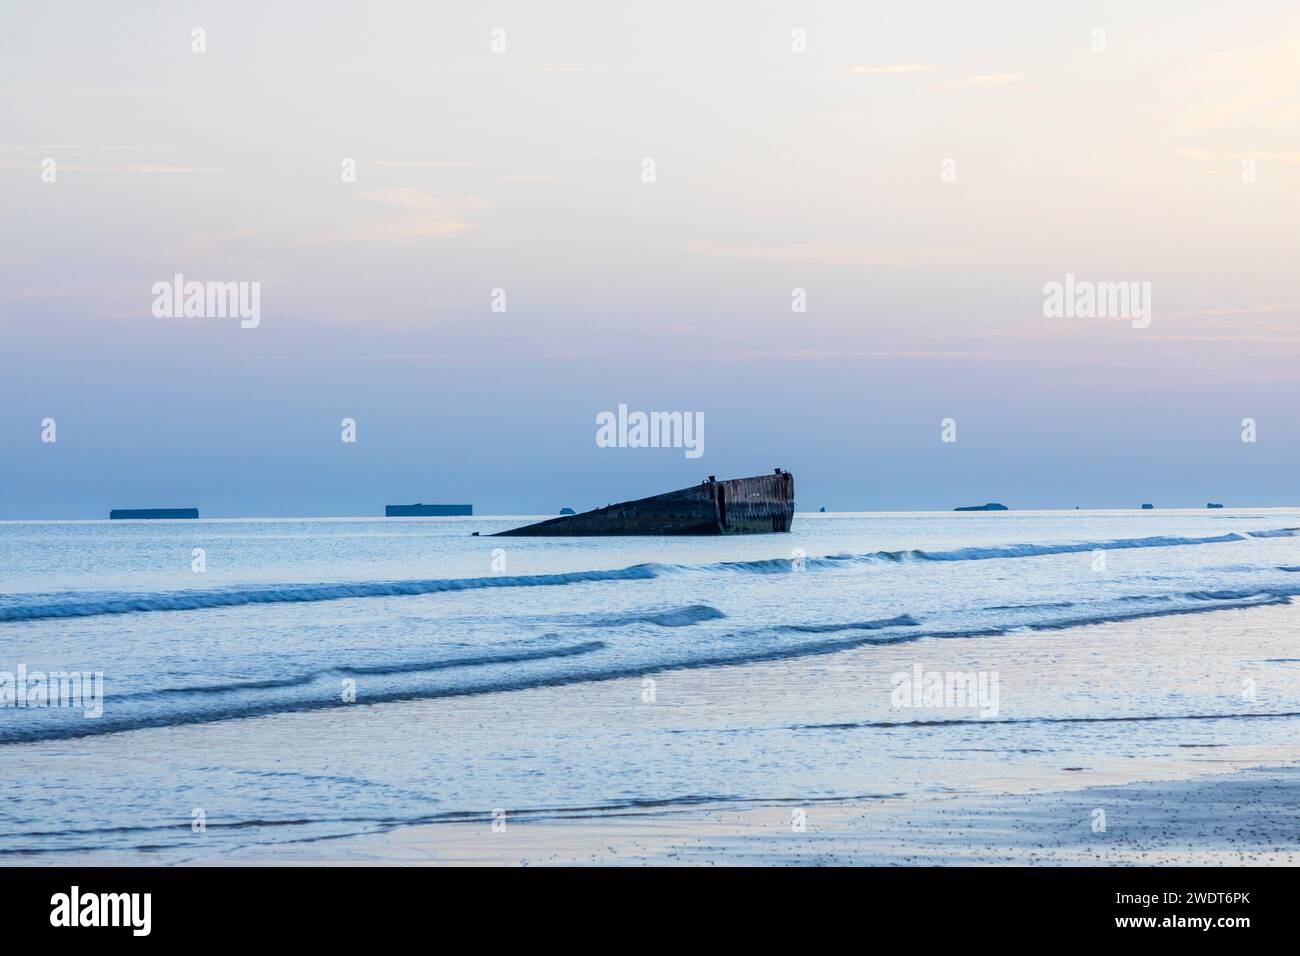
[{"x": 227, "y": 689}]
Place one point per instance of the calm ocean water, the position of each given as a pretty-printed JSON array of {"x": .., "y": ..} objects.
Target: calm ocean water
[{"x": 225, "y": 690}]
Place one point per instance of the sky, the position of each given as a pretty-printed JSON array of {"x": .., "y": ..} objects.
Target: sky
[{"x": 920, "y": 171}]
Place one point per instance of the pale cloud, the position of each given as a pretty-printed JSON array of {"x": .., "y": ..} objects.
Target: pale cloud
[
  {"x": 981, "y": 80},
  {"x": 58, "y": 150},
  {"x": 552, "y": 68},
  {"x": 423, "y": 64},
  {"x": 1238, "y": 339},
  {"x": 424, "y": 216},
  {"x": 1262, "y": 309},
  {"x": 38, "y": 293},
  {"x": 418, "y": 163},
  {"x": 1255, "y": 85},
  {"x": 220, "y": 241},
  {"x": 403, "y": 231},
  {"x": 893, "y": 68},
  {"x": 820, "y": 253},
  {"x": 167, "y": 168},
  {"x": 405, "y": 197},
  {"x": 65, "y": 148},
  {"x": 1289, "y": 158}
]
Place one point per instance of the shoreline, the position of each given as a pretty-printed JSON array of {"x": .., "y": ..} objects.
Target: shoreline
[
  {"x": 1197, "y": 800},
  {"x": 1233, "y": 817}
]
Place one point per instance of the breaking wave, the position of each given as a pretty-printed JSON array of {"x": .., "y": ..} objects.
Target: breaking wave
[
  {"x": 967, "y": 721},
  {"x": 87, "y": 604},
  {"x": 670, "y": 617},
  {"x": 94, "y": 604},
  {"x": 584, "y": 662}
]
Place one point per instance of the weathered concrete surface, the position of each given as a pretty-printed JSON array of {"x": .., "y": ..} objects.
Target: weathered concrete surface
[{"x": 759, "y": 505}]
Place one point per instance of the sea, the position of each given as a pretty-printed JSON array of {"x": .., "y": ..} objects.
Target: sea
[{"x": 286, "y": 681}]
